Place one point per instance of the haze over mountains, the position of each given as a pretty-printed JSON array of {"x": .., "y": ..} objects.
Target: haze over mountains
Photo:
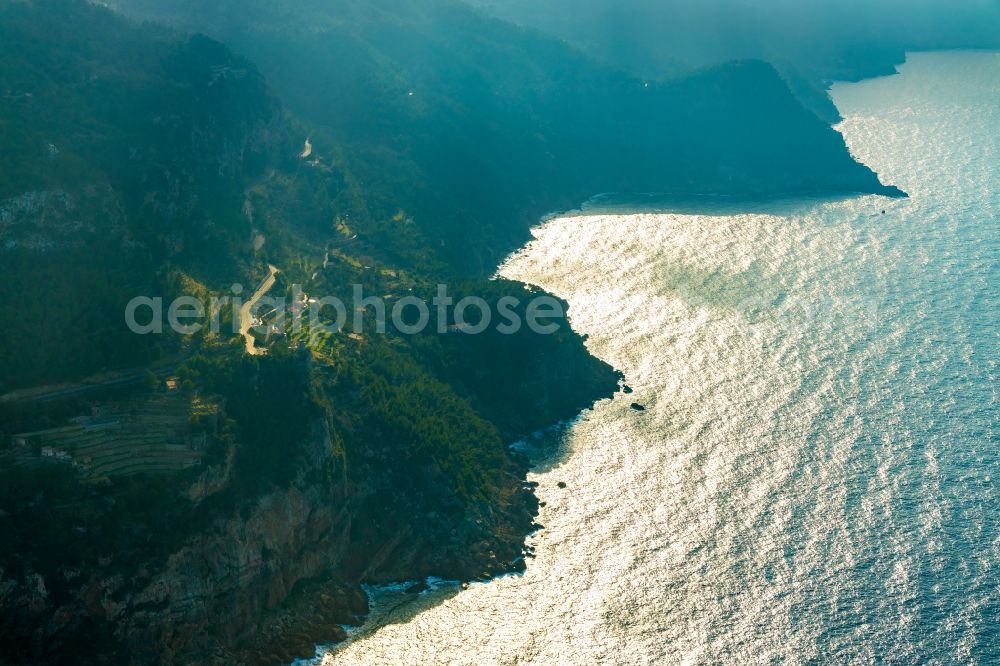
[
  {"x": 471, "y": 127},
  {"x": 139, "y": 161},
  {"x": 508, "y": 124},
  {"x": 832, "y": 38},
  {"x": 810, "y": 41},
  {"x": 145, "y": 159}
]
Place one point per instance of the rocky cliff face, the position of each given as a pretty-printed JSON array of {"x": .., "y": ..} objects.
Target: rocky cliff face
[
  {"x": 482, "y": 127},
  {"x": 266, "y": 581},
  {"x": 210, "y": 595},
  {"x": 213, "y": 592}
]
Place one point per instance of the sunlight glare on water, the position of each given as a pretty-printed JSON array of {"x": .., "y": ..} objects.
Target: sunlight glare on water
[{"x": 814, "y": 478}]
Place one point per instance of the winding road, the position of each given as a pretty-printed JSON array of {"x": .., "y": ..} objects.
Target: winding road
[{"x": 245, "y": 319}]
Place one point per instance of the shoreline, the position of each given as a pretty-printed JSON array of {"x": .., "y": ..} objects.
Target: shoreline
[
  {"x": 496, "y": 604},
  {"x": 617, "y": 203},
  {"x": 520, "y": 447}
]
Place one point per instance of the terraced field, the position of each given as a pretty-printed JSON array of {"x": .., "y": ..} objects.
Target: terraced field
[{"x": 140, "y": 437}]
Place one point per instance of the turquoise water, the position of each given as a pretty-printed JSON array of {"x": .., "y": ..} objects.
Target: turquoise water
[{"x": 815, "y": 477}]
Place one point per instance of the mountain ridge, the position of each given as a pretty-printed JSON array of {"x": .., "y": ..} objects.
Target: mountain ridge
[
  {"x": 146, "y": 161},
  {"x": 508, "y": 124}
]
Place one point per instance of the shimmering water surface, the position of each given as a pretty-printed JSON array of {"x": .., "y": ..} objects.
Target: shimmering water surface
[{"x": 815, "y": 477}]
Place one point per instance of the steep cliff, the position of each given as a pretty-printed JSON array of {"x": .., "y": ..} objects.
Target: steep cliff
[
  {"x": 204, "y": 598},
  {"x": 269, "y": 563},
  {"x": 139, "y": 161},
  {"x": 478, "y": 128},
  {"x": 126, "y": 156}
]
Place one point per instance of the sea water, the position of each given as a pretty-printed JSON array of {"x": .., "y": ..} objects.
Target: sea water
[{"x": 814, "y": 478}]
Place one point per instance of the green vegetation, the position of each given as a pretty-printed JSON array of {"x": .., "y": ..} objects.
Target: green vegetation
[
  {"x": 142, "y": 162},
  {"x": 192, "y": 157},
  {"x": 55, "y": 518},
  {"x": 811, "y": 43},
  {"x": 427, "y": 438},
  {"x": 271, "y": 406},
  {"x": 133, "y": 154},
  {"x": 476, "y": 128},
  {"x": 53, "y": 521},
  {"x": 126, "y": 154}
]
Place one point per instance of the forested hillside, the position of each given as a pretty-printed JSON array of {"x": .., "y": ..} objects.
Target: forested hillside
[
  {"x": 125, "y": 157},
  {"x": 139, "y": 161},
  {"x": 475, "y": 127},
  {"x": 810, "y": 43},
  {"x": 142, "y": 161}
]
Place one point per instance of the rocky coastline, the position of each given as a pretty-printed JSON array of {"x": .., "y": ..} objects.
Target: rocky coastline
[{"x": 266, "y": 582}]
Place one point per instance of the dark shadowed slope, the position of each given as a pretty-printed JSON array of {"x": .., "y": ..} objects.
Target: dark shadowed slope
[
  {"x": 811, "y": 43},
  {"x": 478, "y": 127},
  {"x": 138, "y": 512}
]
